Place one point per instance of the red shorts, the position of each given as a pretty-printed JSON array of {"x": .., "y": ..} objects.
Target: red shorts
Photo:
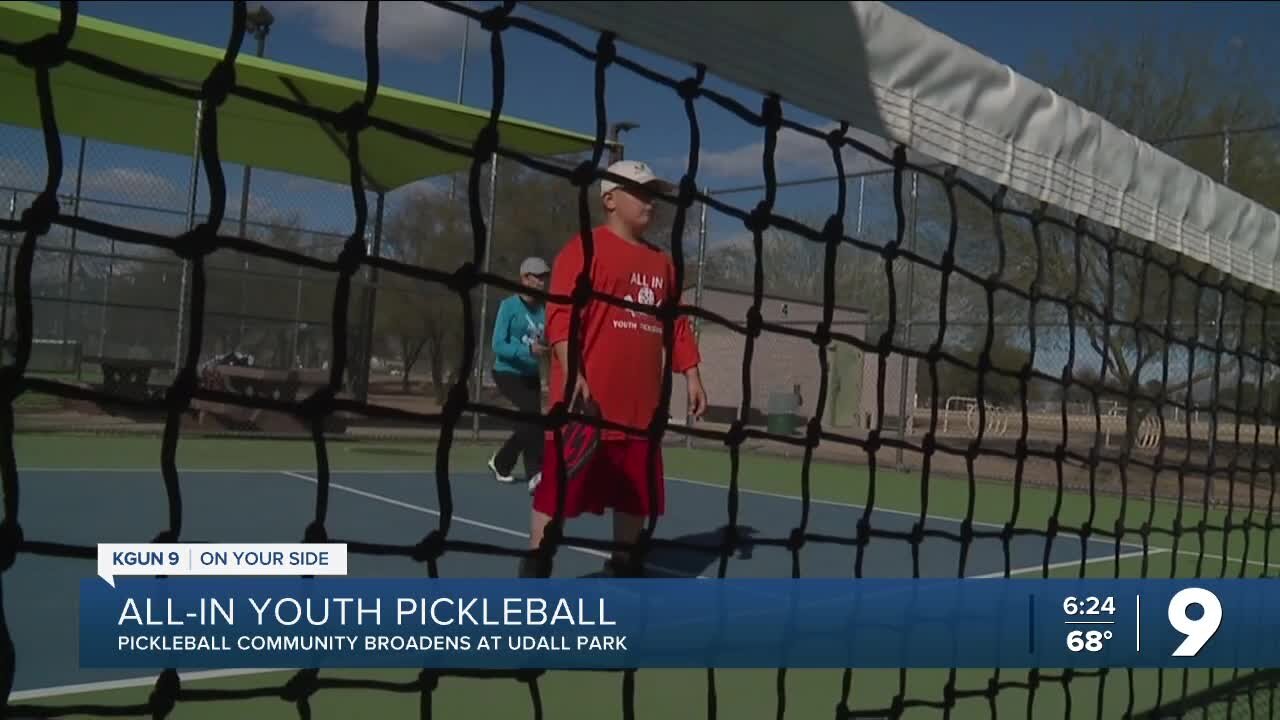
[{"x": 616, "y": 477}]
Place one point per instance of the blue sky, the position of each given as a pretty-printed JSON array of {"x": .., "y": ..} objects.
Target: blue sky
[
  {"x": 553, "y": 86},
  {"x": 421, "y": 53}
]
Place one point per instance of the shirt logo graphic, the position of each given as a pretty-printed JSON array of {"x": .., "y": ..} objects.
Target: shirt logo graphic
[
  {"x": 645, "y": 293},
  {"x": 644, "y": 296}
]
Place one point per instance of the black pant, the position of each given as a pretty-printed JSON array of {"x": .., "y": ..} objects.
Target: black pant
[{"x": 525, "y": 392}]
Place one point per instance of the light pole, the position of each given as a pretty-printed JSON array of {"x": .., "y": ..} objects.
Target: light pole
[
  {"x": 258, "y": 23},
  {"x": 462, "y": 76},
  {"x": 615, "y": 148}
]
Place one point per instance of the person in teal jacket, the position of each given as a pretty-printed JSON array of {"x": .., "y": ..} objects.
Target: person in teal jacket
[{"x": 518, "y": 346}]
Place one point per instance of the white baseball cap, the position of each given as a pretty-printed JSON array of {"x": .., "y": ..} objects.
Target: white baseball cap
[
  {"x": 635, "y": 171},
  {"x": 534, "y": 266}
]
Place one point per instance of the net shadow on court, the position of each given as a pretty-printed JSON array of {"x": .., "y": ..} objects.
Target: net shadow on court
[{"x": 400, "y": 506}]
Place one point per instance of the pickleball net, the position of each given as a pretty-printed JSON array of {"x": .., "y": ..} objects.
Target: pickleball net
[{"x": 1161, "y": 404}]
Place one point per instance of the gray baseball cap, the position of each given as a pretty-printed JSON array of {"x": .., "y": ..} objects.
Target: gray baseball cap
[{"x": 534, "y": 266}]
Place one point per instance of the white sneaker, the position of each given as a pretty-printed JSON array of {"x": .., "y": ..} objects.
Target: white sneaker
[
  {"x": 497, "y": 475},
  {"x": 533, "y": 482}
]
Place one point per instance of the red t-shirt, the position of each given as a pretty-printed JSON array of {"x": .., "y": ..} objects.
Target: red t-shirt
[{"x": 622, "y": 349}]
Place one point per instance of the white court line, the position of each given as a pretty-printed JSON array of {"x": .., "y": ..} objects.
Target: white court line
[
  {"x": 1155, "y": 549},
  {"x": 507, "y": 531},
  {"x": 517, "y": 533},
  {"x": 669, "y": 478},
  {"x": 466, "y": 521},
  {"x": 105, "y": 685},
  {"x": 853, "y": 506},
  {"x": 744, "y": 491},
  {"x": 1066, "y": 563}
]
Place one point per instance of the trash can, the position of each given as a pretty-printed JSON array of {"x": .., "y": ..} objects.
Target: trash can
[{"x": 781, "y": 412}]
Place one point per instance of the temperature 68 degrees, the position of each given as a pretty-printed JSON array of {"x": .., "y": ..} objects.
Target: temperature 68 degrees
[
  {"x": 1200, "y": 630},
  {"x": 1090, "y": 640}
]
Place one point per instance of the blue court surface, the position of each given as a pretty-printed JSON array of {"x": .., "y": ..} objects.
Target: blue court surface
[{"x": 400, "y": 507}]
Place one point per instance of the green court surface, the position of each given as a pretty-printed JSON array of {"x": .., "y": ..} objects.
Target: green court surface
[{"x": 698, "y": 490}]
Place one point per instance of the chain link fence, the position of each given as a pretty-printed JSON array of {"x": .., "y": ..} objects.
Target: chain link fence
[
  {"x": 101, "y": 301},
  {"x": 1242, "y": 158},
  {"x": 114, "y": 313},
  {"x": 100, "y": 306},
  {"x": 1122, "y": 358}
]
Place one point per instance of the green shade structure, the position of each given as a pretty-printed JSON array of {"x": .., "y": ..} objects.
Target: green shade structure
[{"x": 97, "y": 106}]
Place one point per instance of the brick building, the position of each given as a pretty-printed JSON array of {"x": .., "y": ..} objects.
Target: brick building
[{"x": 782, "y": 364}]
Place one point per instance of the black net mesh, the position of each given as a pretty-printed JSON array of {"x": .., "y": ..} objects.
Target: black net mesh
[
  {"x": 1250, "y": 695},
  {"x": 1165, "y": 341}
]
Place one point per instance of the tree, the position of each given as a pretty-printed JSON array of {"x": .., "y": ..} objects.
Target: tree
[
  {"x": 1155, "y": 87},
  {"x": 415, "y": 316},
  {"x": 795, "y": 266},
  {"x": 422, "y": 318},
  {"x": 535, "y": 214},
  {"x": 1159, "y": 86},
  {"x": 1005, "y": 355}
]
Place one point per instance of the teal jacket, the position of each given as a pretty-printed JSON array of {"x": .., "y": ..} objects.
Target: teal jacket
[{"x": 517, "y": 327}]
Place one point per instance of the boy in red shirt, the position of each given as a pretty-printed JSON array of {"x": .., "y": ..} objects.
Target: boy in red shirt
[{"x": 620, "y": 367}]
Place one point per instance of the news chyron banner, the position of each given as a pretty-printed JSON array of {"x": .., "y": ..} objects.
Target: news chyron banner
[{"x": 231, "y": 606}]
